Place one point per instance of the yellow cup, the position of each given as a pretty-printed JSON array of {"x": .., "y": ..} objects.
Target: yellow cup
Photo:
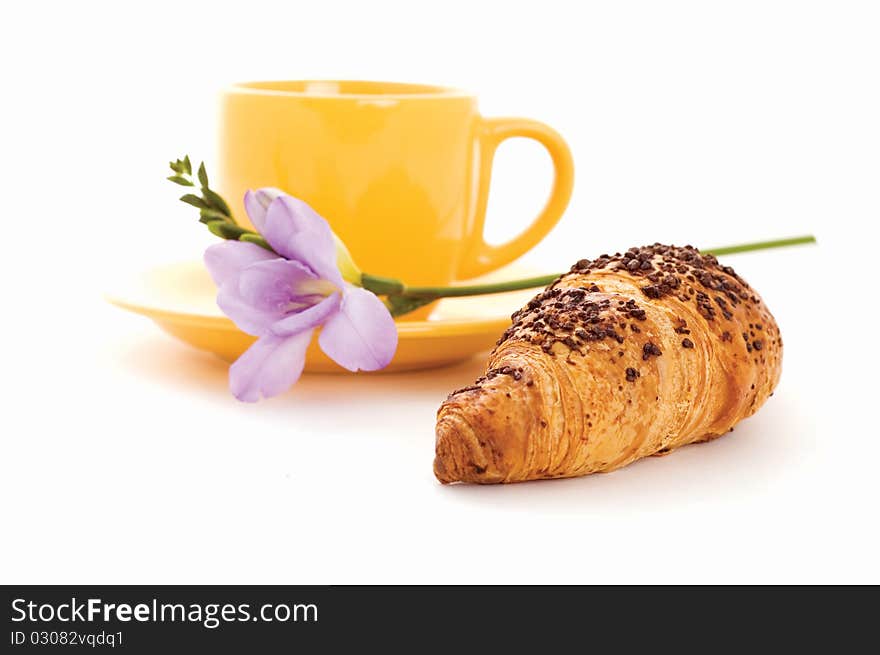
[{"x": 401, "y": 171}]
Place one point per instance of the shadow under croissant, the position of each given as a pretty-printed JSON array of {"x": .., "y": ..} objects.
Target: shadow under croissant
[
  {"x": 760, "y": 452},
  {"x": 756, "y": 456}
]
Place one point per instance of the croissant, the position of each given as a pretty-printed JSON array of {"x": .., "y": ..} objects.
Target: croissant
[{"x": 625, "y": 356}]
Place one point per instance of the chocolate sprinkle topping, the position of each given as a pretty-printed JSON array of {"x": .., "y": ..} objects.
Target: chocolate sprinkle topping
[
  {"x": 674, "y": 270},
  {"x": 575, "y": 317},
  {"x": 567, "y": 320},
  {"x": 515, "y": 373},
  {"x": 650, "y": 350},
  {"x": 571, "y": 317}
]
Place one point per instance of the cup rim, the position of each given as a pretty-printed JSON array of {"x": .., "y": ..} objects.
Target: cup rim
[{"x": 321, "y": 88}]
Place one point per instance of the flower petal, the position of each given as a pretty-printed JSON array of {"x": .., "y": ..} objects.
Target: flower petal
[
  {"x": 275, "y": 285},
  {"x": 246, "y": 317},
  {"x": 361, "y": 335},
  {"x": 257, "y": 202},
  {"x": 226, "y": 260},
  {"x": 308, "y": 318},
  {"x": 269, "y": 367},
  {"x": 296, "y": 231}
]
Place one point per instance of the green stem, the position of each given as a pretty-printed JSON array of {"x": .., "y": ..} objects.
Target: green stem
[
  {"x": 479, "y": 289},
  {"x": 544, "y": 280},
  {"x": 382, "y": 286},
  {"x": 761, "y": 245}
]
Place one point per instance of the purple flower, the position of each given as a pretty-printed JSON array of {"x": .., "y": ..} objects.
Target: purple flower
[{"x": 282, "y": 299}]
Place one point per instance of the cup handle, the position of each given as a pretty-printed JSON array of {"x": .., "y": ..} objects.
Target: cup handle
[{"x": 482, "y": 257}]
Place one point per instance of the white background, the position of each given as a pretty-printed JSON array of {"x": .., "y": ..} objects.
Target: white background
[{"x": 125, "y": 460}]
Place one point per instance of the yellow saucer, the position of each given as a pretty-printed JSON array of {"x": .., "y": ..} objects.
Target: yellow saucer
[{"x": 180, "y": 298}]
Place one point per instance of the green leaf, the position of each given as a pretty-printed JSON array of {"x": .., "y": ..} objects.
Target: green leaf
[
  {"x": 381, "y": 285},
  {"x": 179, "y": 179},
  {"x": 195, "y": 201},
  {"x": 181, "y": 166},
  {"x": 203, "y": 176},
  {"x": 226, "y": 230},
  {"x": 216, "y": 228},
  {"x": 251, "y": 237},
  {"x": 208, "y": 215},
  {"x": 217, "y": 202},
  {"x": 400, "y": 305},
  {"x": 186, "y": 165}
]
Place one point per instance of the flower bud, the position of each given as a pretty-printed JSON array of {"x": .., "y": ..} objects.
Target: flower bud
[
  {"x": 266, "y": 195},
  {"x": 345, "y": 263},
  {"x": 257, "y": 204}
]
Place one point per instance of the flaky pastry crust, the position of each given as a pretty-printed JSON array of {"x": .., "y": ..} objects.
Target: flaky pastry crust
[{"x": 625, "y": 356}]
